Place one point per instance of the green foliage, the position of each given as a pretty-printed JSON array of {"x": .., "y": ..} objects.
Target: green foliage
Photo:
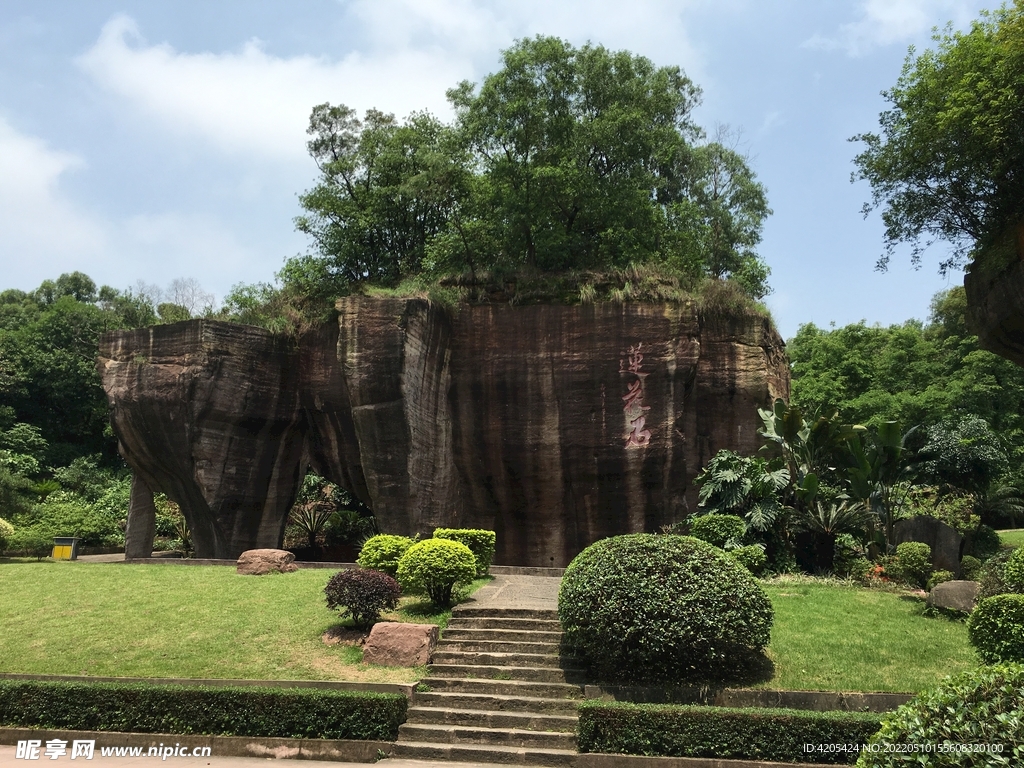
[
  {"x": 363, "y": 594},
  {"x": 963, "y": 453},
  {"x": 31, "y": 541},
  {"x": 6, "y": 532},
  {"x": 481, "y": 543},
  {"x": 383, "y": 551},
  {"x": 945, "y": 164},
  {"x": 666, "y": 609},
  {"x": 751, "y": 557},
  {"x": 981, "y": 707},
  {"x": 566, "y": 159},
  {"x": 992, "y": 580},
  {"x": 251, "y": 711},
  {"x": 435, "y": 567},
  {"x": 849, "y": 560},
  {"x": 717, "y": 530},
  {"x": 939, "y": 577},
  {"x": 914, "y": 561},
  {"x": 1013, "y": 571},
  {"x": 983, "y": 542},
  {"x": 996, "y": 628},
  {"x": 718, "y": 732},
  {"x": 731, "y": 484},
  {"x": 970, "y": 568}
]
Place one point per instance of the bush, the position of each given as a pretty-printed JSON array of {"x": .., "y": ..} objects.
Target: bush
[
  {"x": 1013, "y": 571},
  {"x": 938, "y": 577},
  {"x": 362, "y": 593},
  {"x": 717, "y": 529},
  {"x": 983, "y": 542},
  {"x": 6, "y": 532},
  {"x": 982, "y": 706},
  {"x": 666, "y": 609},
  {"x": 752, "y": 558},
  {"x": 849, "y": 560},
  {"x": 31, "y": 541},
  {"x": 996, "y": 628},
  {"x": 283, "y": 713},
  {"x": 383, "y": 551},
  {"x": 435, "y": 567},
  {"x": 702, "y": 731},
  {"x": 480, "y": 543},
  {"x": 992, "y": 581},
  {"x": 970, "y": 568},
  {"x": 914, "y": 561}
]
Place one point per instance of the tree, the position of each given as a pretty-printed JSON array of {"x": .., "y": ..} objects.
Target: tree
[
  {"x": 566, "y": 159},
  {"x": 947, "y": 163}
]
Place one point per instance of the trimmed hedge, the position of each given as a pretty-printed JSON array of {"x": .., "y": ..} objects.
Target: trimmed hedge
[
  {"x": 673, "y": 730},
  {"x": 436, "y": 567},
  {"x": 996, "y": 628},
  {"x": 383, "y": 551},
  {"x": 717, "y": 529},
  {"x": 480, "y": 542},
  {"x": 307, "y": 713}
]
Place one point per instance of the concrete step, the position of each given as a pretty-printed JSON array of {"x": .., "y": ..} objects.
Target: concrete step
[
  {"x": 496, "y": 702},
  {"x": 502, "y": 672},
  {"x": 504, "y": 659},
  {"x": 444, "y": 733},
  {"x": 468, "y": 611},
  {"x": 513, "y": 635},
  {"x": 536, "y": 690},
  {"x": 473, "y": 718},
  {"x": 491, "y": 622},
  {"x": 483, "y": 753},
  {"x": 497, "y": 646}
]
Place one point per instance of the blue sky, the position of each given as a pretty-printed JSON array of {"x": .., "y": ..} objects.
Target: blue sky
[{"x": 147, "y": 141}]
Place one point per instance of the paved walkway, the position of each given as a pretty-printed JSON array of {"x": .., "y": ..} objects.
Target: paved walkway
[{"x": 532, "y": 592}]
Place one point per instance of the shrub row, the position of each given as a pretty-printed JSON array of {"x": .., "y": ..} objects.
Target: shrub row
[
  {"x": 140, "y": 708},
  {"x": 481, "y": 543},
  {"x": 672, "y": 730}
]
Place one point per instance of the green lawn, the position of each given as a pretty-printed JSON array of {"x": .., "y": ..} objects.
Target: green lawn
[
  {"x": 177, "y": 621},
  {"x": 1013, "y": 537},
  {"x": 207, "y": 621},
  {"x": 829, "y": 636}
]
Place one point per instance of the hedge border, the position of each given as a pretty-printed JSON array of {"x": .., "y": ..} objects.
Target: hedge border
[
  {"x": 303, "y": 713},
  {"x": 680, "y": 730}
]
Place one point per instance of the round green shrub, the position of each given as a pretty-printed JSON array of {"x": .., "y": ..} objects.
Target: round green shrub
[
  {"x": 481, "y": 543},
  {"x": 31, "y": 541},
  {"x": 752, "y": 558},
  {"x": 982, "y": 707},
  {"x": 666, "y": 609},
  {"x": 938, "y": 577},
  {"x": 996, "y": 628},
  {"x": 717, "y": 529},
  {"x": 434, "y": 567},
  {"x": 1013, "y": 571},
  {"x": 970, "y": 568},
  {"x": 914, "y": 561},
  {"x": 383, "y": 551},
  {"x": 992, "y": 581},
  {"x": 984, "y": 542},
  {"x": 6, "y": 532},
  {"x": 363, "y": 594}
]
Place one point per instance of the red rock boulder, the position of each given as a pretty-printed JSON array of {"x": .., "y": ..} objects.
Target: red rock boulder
[
  {"x": 400, "y": 645},
  {"x": 259, "y": 562}
]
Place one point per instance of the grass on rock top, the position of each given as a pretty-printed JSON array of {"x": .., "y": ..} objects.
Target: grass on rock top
[
  {"x": 207, "y": 621},
  {"x": 64, "y": 618}
]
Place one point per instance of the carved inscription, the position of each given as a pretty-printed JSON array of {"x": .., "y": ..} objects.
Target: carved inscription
[{"x": 634, "y": 409}]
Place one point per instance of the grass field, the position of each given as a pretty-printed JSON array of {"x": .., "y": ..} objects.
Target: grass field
[
  {"x": 830, "y": 636},
  {"x": 178, "y": 621},
  {"x": 1014, "y": 538},
  {"x": 206, "y": 621}
]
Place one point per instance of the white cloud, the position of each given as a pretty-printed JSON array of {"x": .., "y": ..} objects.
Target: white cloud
[
  {"x": 38, "y": 222},
  {"x": 885, "y": 22}
]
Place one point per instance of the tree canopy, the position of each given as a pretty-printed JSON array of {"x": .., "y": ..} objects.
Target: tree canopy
[
  {"x": 947, "y": 163},
  {"x": 565, "y": 159}
]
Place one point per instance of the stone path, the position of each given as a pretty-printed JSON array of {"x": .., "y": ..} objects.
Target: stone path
[{"x": 538, "y": 593}]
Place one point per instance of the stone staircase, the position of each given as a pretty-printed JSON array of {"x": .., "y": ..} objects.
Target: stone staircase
[{"x": 499, "y": 692}]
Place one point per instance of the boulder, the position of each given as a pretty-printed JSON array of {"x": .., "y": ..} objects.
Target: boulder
[
  {"x": 954, "y": 595},
  {"x": 400, "y": 645},
  {"x": 259, "y": 562},
  {"x": 945, "y": 542}
]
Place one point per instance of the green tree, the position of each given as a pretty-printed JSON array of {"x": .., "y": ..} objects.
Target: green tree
[{"x": 946, "y": 163}]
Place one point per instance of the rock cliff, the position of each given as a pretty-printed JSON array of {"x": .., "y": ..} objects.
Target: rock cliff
[{"x": 553, "y": 425}]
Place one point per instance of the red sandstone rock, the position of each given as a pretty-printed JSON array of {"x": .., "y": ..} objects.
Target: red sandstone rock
[
  {"x": 400, "y": 645},
  {"x": 552, "y": 425},
  {"x": 260, "y": 562}
]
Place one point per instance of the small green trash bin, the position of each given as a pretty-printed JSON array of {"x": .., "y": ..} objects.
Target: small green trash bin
[{"x": 65, "y": 548}]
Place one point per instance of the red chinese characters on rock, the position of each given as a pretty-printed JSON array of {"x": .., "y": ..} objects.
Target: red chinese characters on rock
[{"x": 634, "y": 409}]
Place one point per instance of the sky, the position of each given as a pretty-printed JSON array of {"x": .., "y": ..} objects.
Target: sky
[{"x": 149, "y": 141}]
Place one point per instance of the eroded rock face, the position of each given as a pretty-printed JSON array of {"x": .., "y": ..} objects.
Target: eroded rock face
[
  {"x": 553, "y": 425},
  {"x": 995, "y": 310}
]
